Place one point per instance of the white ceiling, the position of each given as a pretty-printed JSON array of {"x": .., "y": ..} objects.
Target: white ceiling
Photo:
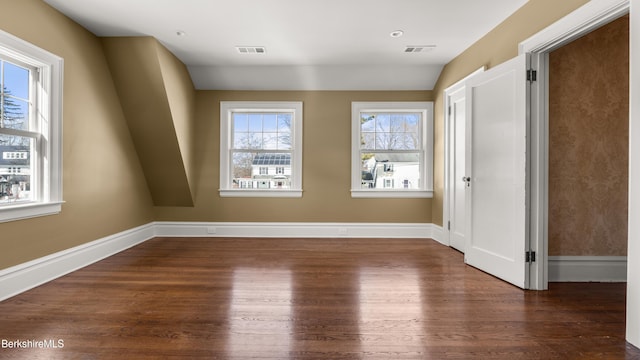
[{"x": 310, "y": 44}]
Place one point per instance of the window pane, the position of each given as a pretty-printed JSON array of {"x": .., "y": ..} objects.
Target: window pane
[
  {"x": 15, "y": 169},
  {"x": 284, "y": 123},
  {"x": 267, "y": 131},
  {"x": 255, "y": 122},
  {"x": 270, "y": 141},
  {"x": 15, "y": 114},
  {"x": 399, "y": 131},
  {"x": 270, "y": 123},
  {"x": 367, "y": 122},
  {"x": 240, "y": 122},
  {"x": 16, "y": 80},
  {"x": 256, "y": 170},
  {"x": 390, "y": 171}
]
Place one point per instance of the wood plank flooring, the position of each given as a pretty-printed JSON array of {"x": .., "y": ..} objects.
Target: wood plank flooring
[{"x": 217, "y": 298}]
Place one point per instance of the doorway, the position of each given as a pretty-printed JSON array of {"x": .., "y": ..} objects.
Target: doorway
[{"x": 588, "y": 89}]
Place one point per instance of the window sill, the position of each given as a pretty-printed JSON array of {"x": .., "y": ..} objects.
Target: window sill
[
  {"x": 386, "y": 194},
  {"x": 261, "y": 193},
  {"x": 29, "y": 210}
]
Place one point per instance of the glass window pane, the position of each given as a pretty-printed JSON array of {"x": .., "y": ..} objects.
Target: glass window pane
[
  {"x": 15, "y": 169},
  {"x": 240, "y": 122},
  {"x": 15, "y": 114},
  {"x": 367, "y": 122},
  {"x": 16, "y": 80},
  {"x": 284, "y": 123},
  {"x": 390, "y": 171},
  {"x": 368, "y": 141},
  {"x": 261, "y": 170},
  {"x": 397, "y": 123},
  {"x": 270, "y": 141},
  {"x": 270, "y": 123},
  {"x": 255, "y": 122},
  {"x": 383, "y": 122}
]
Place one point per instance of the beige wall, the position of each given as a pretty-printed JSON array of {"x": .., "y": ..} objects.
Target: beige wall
[
  {"x": 326, "y": 165},
  {"x": 157, "y": 96},
  {"x": 104, "y": 187},
  {"x": 588, "y": 143},
  {"x": 497, "y": 46}
]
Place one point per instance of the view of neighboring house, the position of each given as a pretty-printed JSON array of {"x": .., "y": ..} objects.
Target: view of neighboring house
[
  {"x": 268, "y": 171},
  {"x": 15, "y": 172},
  {"x": 391, "y": 171}
]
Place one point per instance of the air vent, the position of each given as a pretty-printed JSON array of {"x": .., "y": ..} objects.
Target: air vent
[
  {"x": 251, "y": 49},
  {"x": 419, "y": 49}
]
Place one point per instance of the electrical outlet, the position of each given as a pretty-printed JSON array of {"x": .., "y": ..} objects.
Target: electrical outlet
[
  {"x": 342, "y": 231},
  {"x": 211, "y": 230}
]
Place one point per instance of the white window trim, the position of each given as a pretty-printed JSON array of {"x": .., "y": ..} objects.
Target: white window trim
[
  {"x": 226, "y": 108},
  {"x": 48, "y": 195},
  {"x": 426, "y": 107}
]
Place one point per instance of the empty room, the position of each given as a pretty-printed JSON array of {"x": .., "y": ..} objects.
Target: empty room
[{"x": 319, "y": 179}]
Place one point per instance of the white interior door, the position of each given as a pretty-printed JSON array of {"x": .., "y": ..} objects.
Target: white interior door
[
  {"x": 496, "y": 170},
  {"x": 457, "y": 143}
]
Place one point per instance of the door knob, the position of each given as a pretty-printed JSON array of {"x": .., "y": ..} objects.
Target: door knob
[{"x": 466, "y": 179}]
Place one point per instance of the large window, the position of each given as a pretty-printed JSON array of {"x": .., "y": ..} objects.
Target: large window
[
  {"x": 392, "y": 149},
  {"x": 261, "y": 149},
  {"x": 30, "y": 130}
]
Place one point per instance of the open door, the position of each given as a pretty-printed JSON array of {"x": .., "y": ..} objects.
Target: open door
[
  {"x": 496, "y": 202},
  {"x": 457, "y": 187}
]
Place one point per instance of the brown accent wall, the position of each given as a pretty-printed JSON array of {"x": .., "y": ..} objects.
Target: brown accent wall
[
  {"x": 588, "y": 143},
  {"x": 104, "y": 187},
  {"x": 326, "y": 173},
  {"x": 499, "y": 45}
]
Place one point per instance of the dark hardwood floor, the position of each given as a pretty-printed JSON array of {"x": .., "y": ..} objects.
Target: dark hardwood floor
[{"x": 188, "y": 298}]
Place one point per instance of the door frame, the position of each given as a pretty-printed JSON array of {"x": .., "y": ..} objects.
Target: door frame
[
  {"x": 449, "y": 164},
  {"x": 585, "y": 19}
]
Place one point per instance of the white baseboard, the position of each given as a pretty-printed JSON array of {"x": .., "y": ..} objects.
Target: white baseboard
[
  {"x": 437, "y": 234},
  {"x": 25, "y": 276},
  {"x": 307, "y": 230},
  {"x": 588, "y": 268}
]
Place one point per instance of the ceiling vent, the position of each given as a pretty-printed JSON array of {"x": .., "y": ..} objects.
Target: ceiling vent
[
  {"x": 251, "y": 49},
  {"x": 419, "y": 49}
]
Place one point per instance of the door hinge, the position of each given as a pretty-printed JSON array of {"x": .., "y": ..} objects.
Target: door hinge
[
  {"x": 530, "y": 256},
  {"x": 532, "y": 75},
  {"x": 449, "y": 225},
  {"x": 449, "y": 110}
]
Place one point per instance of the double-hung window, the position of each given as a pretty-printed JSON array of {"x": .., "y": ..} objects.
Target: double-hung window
[
  {"x": 261, "y": 149},
  {"x": 392, "y": 149},
  {"x": 30, "y": 130}
]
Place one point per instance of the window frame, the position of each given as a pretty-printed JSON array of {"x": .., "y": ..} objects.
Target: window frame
[
  {"x": 426, "y": 148},
  {"x": 47, "y": 153},
  {"x": 227, "y": 108}
]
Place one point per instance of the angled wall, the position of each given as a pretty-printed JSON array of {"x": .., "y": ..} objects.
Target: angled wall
[{"x": 158, "y": 102}]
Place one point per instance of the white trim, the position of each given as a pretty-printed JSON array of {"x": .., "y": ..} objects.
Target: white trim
[
  {"x": 578, "y": 23},
  {"x": 581, "y": 21},
  {"x": 588, "y": 268},
  {"x": 23, "y": 277},
  {"x": 376, "y": 193},
  {"x": 633, "y": 249},
  {"x": 260, "y": 193},
  {"x": 438, "y": 234},
  {"x": 29, "y": 210},
  {"x": 288, "y": 230},
  {"x": 47, "y": 176}
]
